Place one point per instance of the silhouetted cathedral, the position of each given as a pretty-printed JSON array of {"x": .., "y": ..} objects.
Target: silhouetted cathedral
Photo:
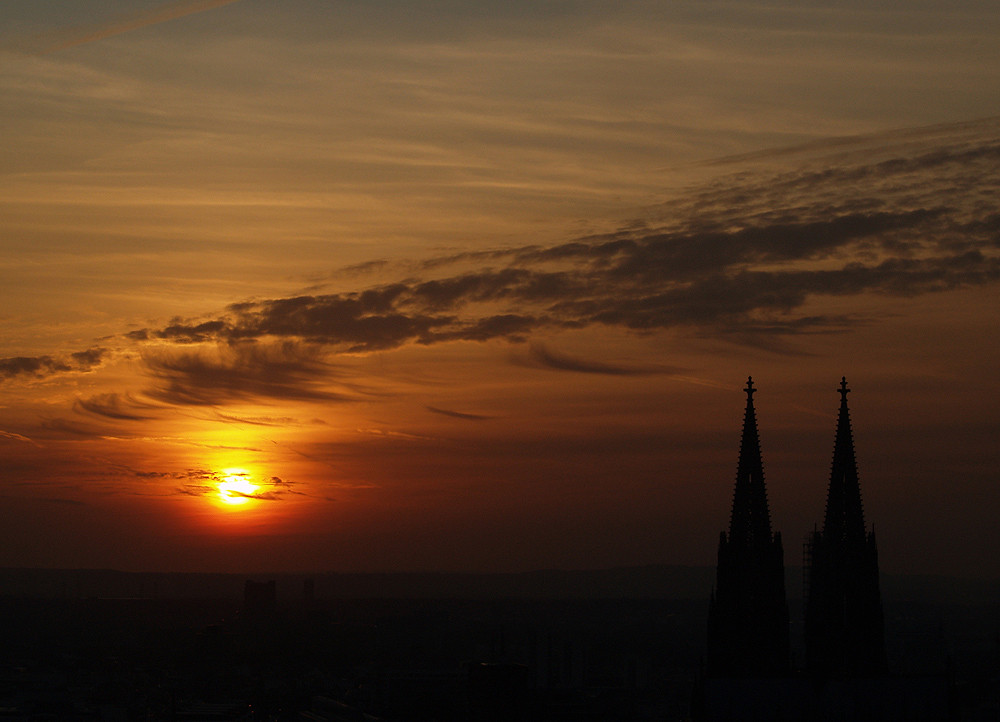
[
  {"x": 748, "y": 614},
  {"x": 843, "y": 625},
  {"x": 748, "y": 677}
]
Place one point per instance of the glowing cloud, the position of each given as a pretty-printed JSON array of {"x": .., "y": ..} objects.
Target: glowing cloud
[{"x": 236, "y": 488}]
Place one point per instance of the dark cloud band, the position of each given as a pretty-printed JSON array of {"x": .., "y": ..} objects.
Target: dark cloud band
[{"x": 741, "y": 257}]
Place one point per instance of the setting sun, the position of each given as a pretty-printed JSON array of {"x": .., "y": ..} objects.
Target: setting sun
[{"x": 236, "y": 487}]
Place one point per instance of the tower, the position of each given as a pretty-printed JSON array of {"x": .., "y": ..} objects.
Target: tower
[
  {"x": 748, "y": 614},
  {"x": 843, "y": 626}
]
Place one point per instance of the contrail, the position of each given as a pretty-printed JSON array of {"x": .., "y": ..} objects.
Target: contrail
[{"x": 161, "y": 14}]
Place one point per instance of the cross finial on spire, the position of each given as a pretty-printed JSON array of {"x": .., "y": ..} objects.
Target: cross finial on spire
[
  {"x": 750, "y": 389},
  {"x": 843, "y": 390}
]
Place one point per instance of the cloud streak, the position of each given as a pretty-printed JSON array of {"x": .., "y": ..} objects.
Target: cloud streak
[
  {"x": 240, "y": 372},
  {"x": 540, "y": 356},
  {"x": 203, "y": 482},
  {"x": 168, "y": 11},
  {"x": 18, "y": 437},
  {"x": 113, "y": 406},
  {"x": 457, "y": 414}
]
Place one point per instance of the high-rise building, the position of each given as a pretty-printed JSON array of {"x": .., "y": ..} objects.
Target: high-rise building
[
  {"x": 748, "y": 613},
  {"x": 843, "y": 623}
]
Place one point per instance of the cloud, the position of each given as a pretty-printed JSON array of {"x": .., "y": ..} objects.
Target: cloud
[
  {"x": 112, "y": 406},
  {"x": 206, "y": 483},
  {"x": 257, "y": 420},
  {"x": 366, "y": 321},
  {"x": 458, "y": 414},
  {"x": 86, "y": 360},
  {"x": 260, "y": 495},
  {"x": 743, "y": 258},
  {"x": 18, "y": 437},
  {"x": 542, "y": 357},
  {"x": 952, "y": 167},
  {"x": 162, "y": 13},
  {"x": 239, "y": 372},
  {"x": 754, "y": 275},
  {"x": 44, "y": 366},
  {"x": 64, "y": 426},
  {"x": 196, "y": 490}
]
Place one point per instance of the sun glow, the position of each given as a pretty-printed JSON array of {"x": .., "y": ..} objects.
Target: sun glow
[{"x": 236, "y": 488}]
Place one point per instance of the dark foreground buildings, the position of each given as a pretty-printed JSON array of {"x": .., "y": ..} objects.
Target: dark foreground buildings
[{"x": 747, "y": 672}]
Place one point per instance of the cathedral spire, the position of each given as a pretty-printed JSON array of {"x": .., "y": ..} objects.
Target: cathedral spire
[
  {"x": 845, "y": 516},
  {"x": 748, "y": 614},
  {"x": 844, "y": 631},
  {"x": 750, "y": 521}
]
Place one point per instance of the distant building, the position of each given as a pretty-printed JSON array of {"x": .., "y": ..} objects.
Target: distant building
[
  {"x": 748, "y": 613},
  {"x": 260, "y": 599},
  {"x": 843, "y": 623}
]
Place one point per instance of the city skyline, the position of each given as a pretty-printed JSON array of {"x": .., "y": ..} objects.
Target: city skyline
[{"x": 476, "y": 286}]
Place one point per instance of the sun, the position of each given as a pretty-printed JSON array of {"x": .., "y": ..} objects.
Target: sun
[{"x": 236, "y": 488}]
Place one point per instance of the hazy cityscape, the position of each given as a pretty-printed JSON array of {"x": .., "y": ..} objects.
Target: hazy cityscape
[{"x": 626, "y": 644}]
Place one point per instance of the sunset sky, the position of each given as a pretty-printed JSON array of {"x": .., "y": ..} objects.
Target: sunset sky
[{"x": 476, "y": 284}]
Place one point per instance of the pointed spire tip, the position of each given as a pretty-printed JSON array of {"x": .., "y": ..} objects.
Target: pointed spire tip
[{"x": 843, "y": 390}]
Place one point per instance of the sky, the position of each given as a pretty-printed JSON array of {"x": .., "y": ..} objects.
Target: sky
[{"x": 476, "y": 286}]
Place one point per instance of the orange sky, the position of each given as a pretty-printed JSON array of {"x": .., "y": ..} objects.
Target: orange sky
[{"x": 476, "y": 286}]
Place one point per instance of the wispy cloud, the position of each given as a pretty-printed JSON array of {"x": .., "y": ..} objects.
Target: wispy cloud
[
  {"x": 540, "y": 356},
  {"x": 239, "y": 372},
  {"x": 457, "y": 414},
  {"x": 256, "y": 420},
  {"x": 18, "y": 437},
  {"x": 65, "y": 39},
  {"x": 60, "y": 427},
  {"x": 113, "y": 406},
  {"x": 202, "y": 482}
]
